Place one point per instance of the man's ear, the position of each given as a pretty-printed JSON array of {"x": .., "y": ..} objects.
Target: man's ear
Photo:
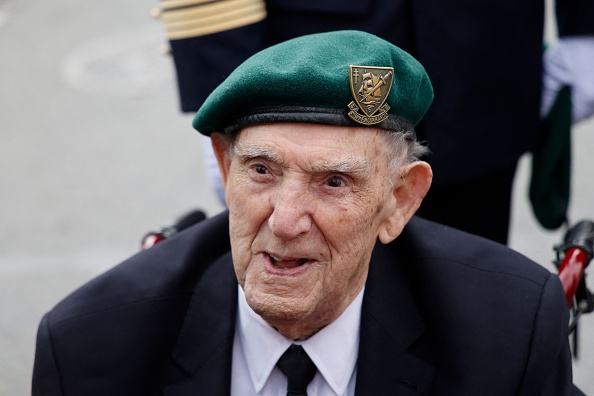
[
  {"x": 410, "y": 187},
  {"x": 221, "y": 145}
]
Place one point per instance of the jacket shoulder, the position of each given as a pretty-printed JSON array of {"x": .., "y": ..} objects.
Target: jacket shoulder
[
  {"x": 170, "y": 268},
  {"x": 118, "y": 333},
  {"x": 487, "y": 308},
  {"x": 436, "y": 243}
]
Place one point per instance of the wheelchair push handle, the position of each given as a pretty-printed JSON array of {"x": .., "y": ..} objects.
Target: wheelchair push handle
[
  {"x": 577, "y": 249},
  {"x": 581, "y": 236},
  {"x": 159, "y": 235}
]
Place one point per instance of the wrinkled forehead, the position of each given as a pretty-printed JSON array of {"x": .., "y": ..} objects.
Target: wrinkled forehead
[{"x": 343, "y": 149}]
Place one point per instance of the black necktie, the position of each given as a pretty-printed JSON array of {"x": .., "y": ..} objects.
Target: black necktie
[{"x": 298, "y": 368}]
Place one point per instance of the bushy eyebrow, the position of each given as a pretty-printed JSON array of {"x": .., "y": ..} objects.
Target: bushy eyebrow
[
  {"x": 348, "y": 165},
  {"x": 351, "y": 165},
  {"x": 246, "y": 151}
]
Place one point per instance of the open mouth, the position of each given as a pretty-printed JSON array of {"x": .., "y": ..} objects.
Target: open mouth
[{"x": 287, "y": 262}]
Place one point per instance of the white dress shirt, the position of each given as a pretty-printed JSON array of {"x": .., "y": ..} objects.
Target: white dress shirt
[{"x": 257, "y": 347}]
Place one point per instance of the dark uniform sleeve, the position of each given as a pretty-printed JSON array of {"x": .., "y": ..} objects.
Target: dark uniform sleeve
[
  {"x": 209, "y": 40},
  {"x": 46, "y": 376},
  {"x": 549, "y": 363},
  {"x": 575, "y": 17}
]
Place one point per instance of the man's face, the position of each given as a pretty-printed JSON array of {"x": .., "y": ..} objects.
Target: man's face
[{"x": 306, "y": 203}]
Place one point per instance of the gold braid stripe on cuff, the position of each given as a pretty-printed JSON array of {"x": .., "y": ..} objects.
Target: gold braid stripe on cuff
[{"x": 194, "y": 18}]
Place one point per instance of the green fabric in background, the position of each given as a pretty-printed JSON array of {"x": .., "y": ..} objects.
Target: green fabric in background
[{"x": 550, "y": 184}]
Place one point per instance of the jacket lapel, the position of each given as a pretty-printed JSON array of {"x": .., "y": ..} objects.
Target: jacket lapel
[
  {"x": 391, "y": 326},
  {"x": 205, "y": 345}
]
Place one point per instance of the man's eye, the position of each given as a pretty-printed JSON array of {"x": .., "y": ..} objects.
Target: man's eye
[
  {"x": 261, "y": 169},
  {"x": 335, "y": 181}
]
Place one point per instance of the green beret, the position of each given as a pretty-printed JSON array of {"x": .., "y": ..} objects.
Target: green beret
[{"x": 346, "y": 78}]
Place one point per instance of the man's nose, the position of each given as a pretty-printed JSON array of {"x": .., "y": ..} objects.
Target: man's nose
[{"x": 291, "y": 213}]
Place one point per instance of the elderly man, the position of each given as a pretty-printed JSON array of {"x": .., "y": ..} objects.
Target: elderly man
[{"x": 318, "y": 280}]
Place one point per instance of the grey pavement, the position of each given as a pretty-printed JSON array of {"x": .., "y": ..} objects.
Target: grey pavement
[{"x": 94, "y": 153}]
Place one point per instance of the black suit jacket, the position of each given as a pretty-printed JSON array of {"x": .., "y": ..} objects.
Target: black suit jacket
[
  {"x": 443, "y": 313},
  {"x": 484, "y": 60}
]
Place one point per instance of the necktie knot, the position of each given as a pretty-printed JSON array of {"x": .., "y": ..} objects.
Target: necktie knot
[{"x": 298, "y": 368}]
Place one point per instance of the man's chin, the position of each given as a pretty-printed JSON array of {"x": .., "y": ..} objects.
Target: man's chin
[{"x": 279, "y": 310}]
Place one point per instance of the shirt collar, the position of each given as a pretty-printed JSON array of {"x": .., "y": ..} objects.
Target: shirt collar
[{"x": 334, "y": 349}]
